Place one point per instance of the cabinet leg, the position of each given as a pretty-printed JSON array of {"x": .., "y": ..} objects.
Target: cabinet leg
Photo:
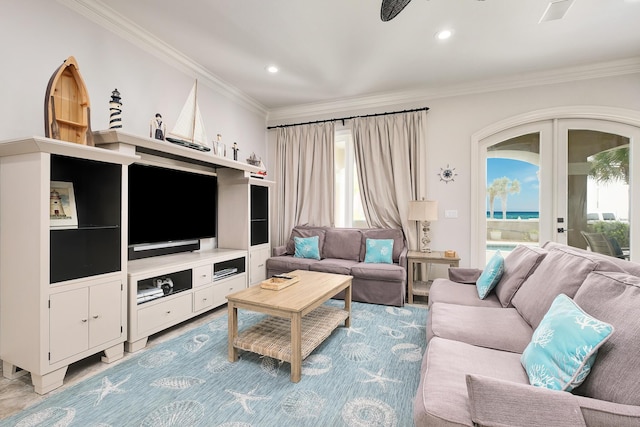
[
  {"x": 134, "y": 346},
  {"x": 11, "y": 371},
  {"x": 114, "y": 353},
  {"x": 43, "y": 384}
]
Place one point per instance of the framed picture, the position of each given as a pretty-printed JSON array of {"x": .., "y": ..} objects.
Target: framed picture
[{"x": 63, "y": 213}]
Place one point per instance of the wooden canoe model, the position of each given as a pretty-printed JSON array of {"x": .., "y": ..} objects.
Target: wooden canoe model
[{"x": 67, "y": 107}]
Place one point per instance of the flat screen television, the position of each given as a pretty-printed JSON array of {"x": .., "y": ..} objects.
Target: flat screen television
[{"x": 169, "y": 210}]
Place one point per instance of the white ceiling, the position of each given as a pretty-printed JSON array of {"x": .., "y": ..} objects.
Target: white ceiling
[{"x": 330, "y": 50}]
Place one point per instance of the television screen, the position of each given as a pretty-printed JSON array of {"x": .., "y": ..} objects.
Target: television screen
[{"x": 167, "y": 205}]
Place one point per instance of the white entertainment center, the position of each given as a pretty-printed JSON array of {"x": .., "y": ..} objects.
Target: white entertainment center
[{"x": 69, "y": 292}]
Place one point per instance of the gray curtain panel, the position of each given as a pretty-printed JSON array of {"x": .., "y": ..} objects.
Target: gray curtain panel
[
  {"x": 387, "y": 150},
  {"x": 304, "y": 177}
]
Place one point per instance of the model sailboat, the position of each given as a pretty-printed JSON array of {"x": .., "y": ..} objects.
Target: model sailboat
[{"x": 189, "y": 129}]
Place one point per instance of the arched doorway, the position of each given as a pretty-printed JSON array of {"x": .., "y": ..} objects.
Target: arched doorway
[{"x": 555, "y": 151}]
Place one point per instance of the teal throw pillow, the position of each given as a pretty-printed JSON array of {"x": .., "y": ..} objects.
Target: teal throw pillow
[
  {"x": 307, "y": 247},
  {"x": 564, "y": 346},
  {"x": 379, "y": 251},
  {"x": 490, "y": 275}
]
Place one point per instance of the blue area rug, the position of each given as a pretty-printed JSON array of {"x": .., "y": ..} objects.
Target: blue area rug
[{"x": 366, "y": 375}]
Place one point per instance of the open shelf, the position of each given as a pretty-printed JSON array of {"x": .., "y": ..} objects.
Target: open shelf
[
  {"x": 94, "y": 246},
  {"x": 163, "y": 286},
  {"x": 224, "y": 269}
]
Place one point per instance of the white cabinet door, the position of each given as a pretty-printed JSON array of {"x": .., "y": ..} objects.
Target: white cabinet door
[
  {"x": 105, "y": 313},
  {"x": 69, "y": 324},
  {"x": 84, "y": 318},
  {"x": 258, "y": 265}
]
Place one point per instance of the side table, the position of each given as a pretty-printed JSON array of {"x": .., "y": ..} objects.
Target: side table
[{"x": 418, "y": 287}]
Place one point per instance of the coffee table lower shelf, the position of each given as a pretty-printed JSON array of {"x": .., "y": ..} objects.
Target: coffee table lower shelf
[{"x": 272, "y": 336}]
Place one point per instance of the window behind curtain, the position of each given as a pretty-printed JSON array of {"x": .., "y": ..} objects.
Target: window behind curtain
[{"x": 348, "y": 205}]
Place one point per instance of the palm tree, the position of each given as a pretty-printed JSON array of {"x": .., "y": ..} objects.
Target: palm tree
[
  {"x": 493, "y": 192},
  {"x": 611, "y": 165},
  {"x": 502, "y": 187}
]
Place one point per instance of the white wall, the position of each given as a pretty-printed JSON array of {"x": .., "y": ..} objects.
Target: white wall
[
  {"x": 38, "y": 35},
  {"x": 451, "y": 121}
]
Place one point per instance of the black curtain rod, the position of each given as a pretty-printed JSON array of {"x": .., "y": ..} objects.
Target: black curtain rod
[{"x": 347, "y": 118}]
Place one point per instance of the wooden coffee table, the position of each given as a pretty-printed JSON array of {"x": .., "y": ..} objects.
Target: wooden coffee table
[{"x": 298, "y": 321}]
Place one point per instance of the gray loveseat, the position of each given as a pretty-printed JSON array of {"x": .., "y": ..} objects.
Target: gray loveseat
[
  {"x": 342, "y": 251},
  {"x": 472, "y": 373}
]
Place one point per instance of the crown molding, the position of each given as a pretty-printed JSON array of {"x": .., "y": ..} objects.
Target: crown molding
[
  {"x": 562, "y": 75},
  {"x": 107, "y": 18}
]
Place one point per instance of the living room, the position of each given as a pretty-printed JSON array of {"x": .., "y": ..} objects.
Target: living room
[{"x": 113, "y": 54}]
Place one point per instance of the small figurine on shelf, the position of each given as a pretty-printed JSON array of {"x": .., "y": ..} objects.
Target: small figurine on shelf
[
  {"x": 157, "y": 129},
  {"x": 235, "y": 151},
  {"x": 115, "y": 116},
  {"x": 219, "y": 149}
]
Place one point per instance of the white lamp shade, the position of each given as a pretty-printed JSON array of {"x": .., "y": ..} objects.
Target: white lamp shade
[{"x": 423, "y": 210}]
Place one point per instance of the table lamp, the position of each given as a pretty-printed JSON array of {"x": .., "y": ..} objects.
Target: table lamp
[{"x": 424, "y": 211}]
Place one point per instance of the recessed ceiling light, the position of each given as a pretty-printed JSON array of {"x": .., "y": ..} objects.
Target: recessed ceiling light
[
  {"x": 444, "y": 34},
  {"x": 272, "y": 69}
]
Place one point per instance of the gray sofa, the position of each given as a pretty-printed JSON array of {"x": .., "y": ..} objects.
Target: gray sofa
[
  {"x": 472, "y": 373},
  {"x": 342, "y": 251}
]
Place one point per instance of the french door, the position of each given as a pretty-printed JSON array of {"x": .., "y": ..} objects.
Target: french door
[{"x": 554, "y": 179}]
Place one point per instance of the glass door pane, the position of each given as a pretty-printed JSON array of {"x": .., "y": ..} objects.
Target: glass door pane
[
  {"x": 598, "y": 171},
  {"x": 513, "y": 193}
]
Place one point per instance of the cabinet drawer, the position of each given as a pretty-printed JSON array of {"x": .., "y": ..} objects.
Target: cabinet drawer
[
  {"x": 203, "y": 299},
  {"x": 221, "y": 290},
  {"x": 163, "y": 313},
  {"x": 202, "y": 275}
]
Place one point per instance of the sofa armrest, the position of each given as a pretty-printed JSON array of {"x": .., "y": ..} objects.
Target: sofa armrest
[
  {"x": 602, "y": 413},
  {"x": 402, "y": 259},
  {"x": 464, "y": 275},
  {"x": 278, "y": 250},
  {"x": 495, "y": 402}
]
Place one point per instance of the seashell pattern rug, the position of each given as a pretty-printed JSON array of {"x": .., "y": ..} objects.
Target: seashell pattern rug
[{"x": 365, "y": 375}]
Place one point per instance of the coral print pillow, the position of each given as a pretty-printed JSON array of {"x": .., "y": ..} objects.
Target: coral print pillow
[
  {"x": 564, "y": 346},
  {"x": 490, "y": 276},
  {"x": 307, "y": 247},
  {"x": 379, "y": 251}
]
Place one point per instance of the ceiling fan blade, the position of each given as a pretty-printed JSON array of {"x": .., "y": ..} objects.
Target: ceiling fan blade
[{"x": 391, "y": 8}]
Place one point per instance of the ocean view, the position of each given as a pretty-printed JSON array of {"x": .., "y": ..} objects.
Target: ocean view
[{"x": 516, "y": 215}]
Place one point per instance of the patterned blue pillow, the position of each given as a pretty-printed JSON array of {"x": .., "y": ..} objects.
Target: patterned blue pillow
[
  {"x": 564, "y": 346},
  {"x": 307, "y": 247},
  {"x": 490, "y": 275},
  {"x": 379, "y": 251}
]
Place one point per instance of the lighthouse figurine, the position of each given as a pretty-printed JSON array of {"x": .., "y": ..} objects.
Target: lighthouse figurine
[{"x": 115, "y": 116}]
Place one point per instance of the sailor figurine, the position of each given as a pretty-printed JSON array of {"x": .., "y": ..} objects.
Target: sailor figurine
[{"x": 157, "y": 128}]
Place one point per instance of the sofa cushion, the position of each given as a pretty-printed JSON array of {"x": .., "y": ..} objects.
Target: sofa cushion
[
  {"x": 307, "y": 247},
  {"x": 441, "y": 398},
  {"x": 343, "y": 243},
  {"x": 564, "y": 346},
  {"x": 379, "y": 251},
  {"x": 379, "y": 272},
  {"x": 305, "y": 231},
  {"x": 444, "y": 290},
  {"x": 492, "y": 327},
  {"x": 288, "y": 263},
  {"x": 383, "y": 233},
  {"x": 624, "y": 265},
  {"x": 333, "y": 265},
  {"x": 562, "y": 271},
  {"x": 490, "y": 275},
  {"x": 614, "y": 298},
  {"x": 518, "y": 265}
]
